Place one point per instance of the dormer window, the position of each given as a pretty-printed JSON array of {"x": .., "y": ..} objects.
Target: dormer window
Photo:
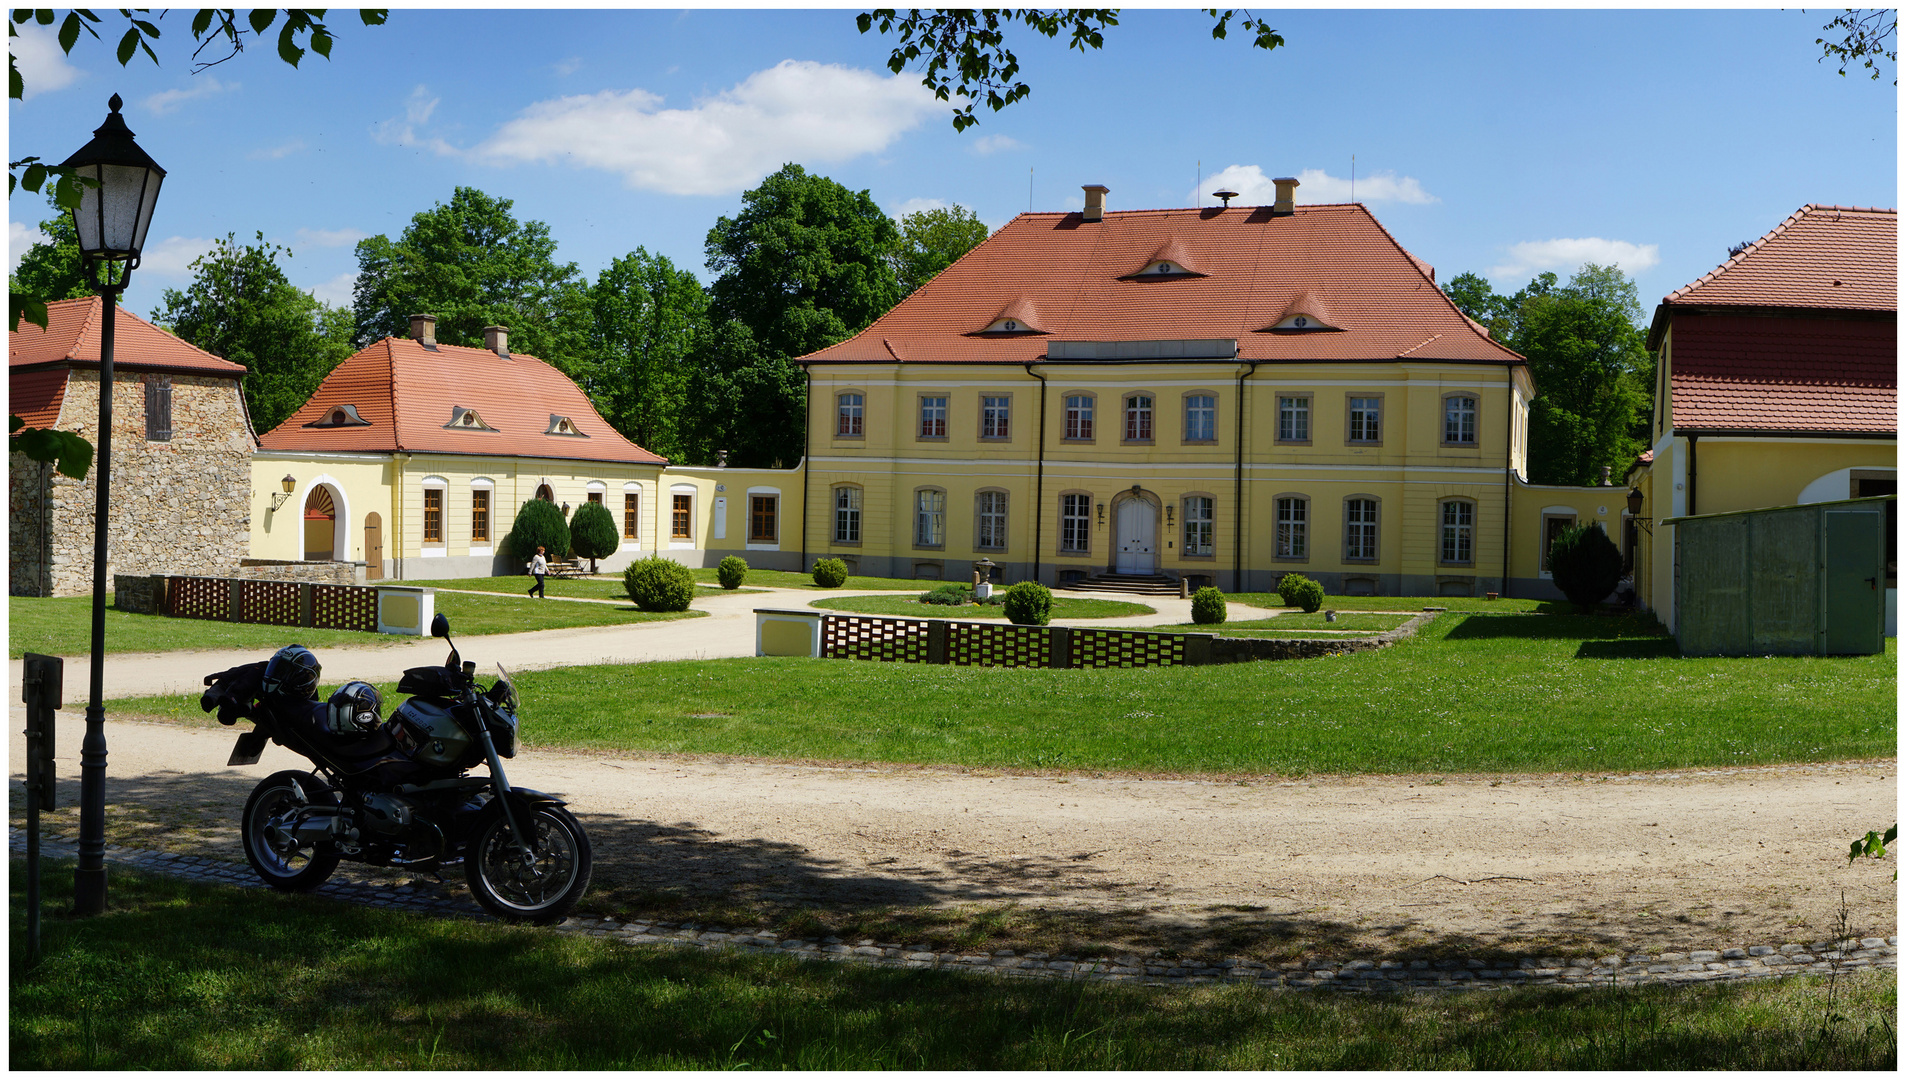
[
  {"x": 339, "y": 416},
  {"x": 1302, "y": 322},
  {"x": 562, "y": 425},
  {"x": 1308, "y": 310},
  {"x": 1007, "y": 326},
  {"x": 1173, "y": 259},
  {"x": 463, "y": 419},
  {"x": 1017, "y": 317}
]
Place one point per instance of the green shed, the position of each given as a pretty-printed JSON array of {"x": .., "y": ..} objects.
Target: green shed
[{"x": 1785, "y": 580}]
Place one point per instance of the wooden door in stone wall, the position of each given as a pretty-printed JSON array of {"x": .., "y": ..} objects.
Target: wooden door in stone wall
[
  {"x": 320, "y": 525},
  {"x": 373, "y": 546}
]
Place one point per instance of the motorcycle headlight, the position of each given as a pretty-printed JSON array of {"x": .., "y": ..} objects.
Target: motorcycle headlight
[
  {"x": 504, "y": 694},
  {"x": 503, "y": 734}
]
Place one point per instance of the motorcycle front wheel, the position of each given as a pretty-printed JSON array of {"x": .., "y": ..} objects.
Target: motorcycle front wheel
[
  {"x": 283, "y": 862},
  {"x": 539, "y": 886}
]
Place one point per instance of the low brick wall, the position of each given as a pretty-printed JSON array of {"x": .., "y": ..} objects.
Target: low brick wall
[
  {"x": 1232, "y": 650},
  {"x": 328, "y": 573},
  {"x": 142, "y": 594}
]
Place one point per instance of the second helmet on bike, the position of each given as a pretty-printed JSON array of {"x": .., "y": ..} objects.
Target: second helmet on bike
[
  {"x": 356, "y": 708},
  {"x": 293, "y": 671}
]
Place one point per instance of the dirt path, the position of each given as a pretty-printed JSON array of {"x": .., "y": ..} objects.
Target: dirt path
[{"x": 1634, "y": 863}]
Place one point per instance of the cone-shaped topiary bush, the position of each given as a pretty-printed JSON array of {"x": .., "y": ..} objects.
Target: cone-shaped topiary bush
[
  {"x": 731, "y": 572},
  {"x": 538, "y": 523},
  {"x": 1301, "y": 592},
  {"x": 1207, "y": 606},
  {"x": 1586, "y": 565},
  {"x": 659, "y": 584},
  {"x": 592, "y": 533},
  {"x": 830, "y": 573},
  {"x": 1029, "y": 604}
]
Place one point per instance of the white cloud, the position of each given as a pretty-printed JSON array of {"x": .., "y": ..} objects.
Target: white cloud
[
  {"x": 167, "y": 101},
  {"x": 987, "y": 145},
  {"x": 273, "y": 153},
  {"x": 42, "y": 63},
  {"x": 569, "y": 66},
  {"x": 19, "y": 238},
  {"x": 797, "y": 110},
  {"x": 403, "y": 131},
  {"x": 1566, "y": 256},
  {"x": 172, "y": 257},
  {"x": 1315, "y": 186},
  {"x": 338, "y": 292},
  {"x": 330, "y": 238},
  {"x": 915, "y": 206}
]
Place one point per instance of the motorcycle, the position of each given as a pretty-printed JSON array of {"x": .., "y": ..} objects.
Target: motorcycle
[{"x": 401, "y": 794}]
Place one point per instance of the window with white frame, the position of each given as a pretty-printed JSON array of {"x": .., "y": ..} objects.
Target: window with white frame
[
  {"x": 1459, "y": 420},
  {"x": 1293, "y": 419},
  {"x": 995, "y": 417},
  {"x": 1138, "y": 418},
  {"x": 990, "y": 513},
  {"x": 682, "y": 517},
  {"x": 1359, "y": 530},
  {"x": 1293, "y": 527},
  {"x": 763, "y": 512},
  {"x": 631, "y": 516},
  {"x": 479, "y": 515},
  {"x": 933, "y": 417},
  {"x": 1459, "y": 533},
  {"x": 929, "y": 518},
  {"x": 1078, "y": 416},
  {"x": 1200, "y": 534},
  {"x": 1366, "y": 420},
  {"x": 1201, "y": 418},
  {"x": 1075, "y": 522},
  {"x": 433, "y": 515},
  {"x": 847, "y": 515},
  {"x": 851, "y": 412}
]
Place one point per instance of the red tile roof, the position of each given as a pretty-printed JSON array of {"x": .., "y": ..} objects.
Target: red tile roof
[
  {"x": 1256, "y": 265},
  {"x": 35, "y": 396},
  {"x": 72, "y": 337},
  {"x": 408, "y": 394},
  {"x": 1743, "y": 372},
  {"x": 1843, "y": 258}
]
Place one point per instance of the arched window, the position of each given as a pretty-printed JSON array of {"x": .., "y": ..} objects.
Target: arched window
[
  {"x": 1138, "y": 418},
  {"x": 929, "y": 518},
  {"x": 1459, "y": 420},
  {"x": 1200, "y": 526},
  {"x": 989, "y": 513},
  {"x": 1079, "y": 409},
  {"x": 847, "y": 514},
  {"x": 1458, "y": 547},
  {"x": 1293, "y": 527},
  {"x": 1360, "y": 529}
]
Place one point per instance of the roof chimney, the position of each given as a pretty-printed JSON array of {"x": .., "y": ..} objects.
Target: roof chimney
[
  {"x": 1095, "y": 201},
  {"x": 1286, "y": 195},
  {"x": 497, "y": 340},
  {"x": 423, "y": 330}
]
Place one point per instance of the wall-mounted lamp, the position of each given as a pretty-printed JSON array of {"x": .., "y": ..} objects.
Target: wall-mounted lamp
[
  {"x": 290, "y": 484},
  {"x": 565, "y": 509},
  {"x": 1635, "y": 498},
  {"x": 1101, "y": 513},
  {"x": 1167, "y": 515}
]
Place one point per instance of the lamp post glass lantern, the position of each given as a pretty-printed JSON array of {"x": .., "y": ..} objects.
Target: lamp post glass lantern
[{"x": 121, "y": 187}]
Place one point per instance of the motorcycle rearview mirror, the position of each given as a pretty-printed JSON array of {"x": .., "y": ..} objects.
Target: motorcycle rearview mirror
[{"x": 440, "y": 627}]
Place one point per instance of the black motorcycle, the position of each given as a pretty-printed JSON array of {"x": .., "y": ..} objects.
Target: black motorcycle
[{"x": 399, "y": 793}]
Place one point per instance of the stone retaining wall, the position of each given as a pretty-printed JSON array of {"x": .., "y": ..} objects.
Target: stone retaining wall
[{"x": 325, "y": 572}]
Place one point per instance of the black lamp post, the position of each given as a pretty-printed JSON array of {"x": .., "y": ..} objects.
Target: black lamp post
[{"x": 114, "y": 213}]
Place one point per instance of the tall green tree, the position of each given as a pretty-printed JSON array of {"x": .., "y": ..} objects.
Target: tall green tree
[
  {"x": 470, "y": 263},
  {"x": 932, "y": 240},
  {"x": 646, "y": 320},
  {"x": 743, "y": 400},
  {"x": 1587, "y": 353},
  {"x": 240, "y": 306}
]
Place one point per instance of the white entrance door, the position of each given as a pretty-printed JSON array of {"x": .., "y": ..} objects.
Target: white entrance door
[{"x": 1137, "y": 537}]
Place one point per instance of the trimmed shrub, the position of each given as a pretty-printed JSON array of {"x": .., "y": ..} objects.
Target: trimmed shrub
[
  {"x": 1300, "y": 592},
  {"x": 1586, "y": 565},
  {"x": 1207, "y": 606},
  {"x": 592, "y": 533},
  {"x": 1029, "y": 604},
  {"x": 659, "y": 584},
  {"x": 830, "y": 573},
  {"x": 952, "y": 593},
  {"x": 731, "y": 572},
  {"x": 538, "y": 523}
]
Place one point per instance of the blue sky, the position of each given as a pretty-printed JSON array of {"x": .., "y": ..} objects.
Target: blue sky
[{"x": 1502, "y": 142}]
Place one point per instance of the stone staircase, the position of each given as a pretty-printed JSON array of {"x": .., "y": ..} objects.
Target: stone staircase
[{"x": 1128, "y": 584}]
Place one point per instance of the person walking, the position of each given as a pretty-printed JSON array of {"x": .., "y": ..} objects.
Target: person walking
[{"x": 538, "y": 566}]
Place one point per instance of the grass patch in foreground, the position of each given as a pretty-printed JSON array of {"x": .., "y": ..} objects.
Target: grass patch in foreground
[
  {"x": 181, "y": 976},
  {"x": 789, "y": 579},
  {"x": 62, "y": 625},
  {"x": 1466, "y": 694},
  {"x": 1063, "y": 607}
]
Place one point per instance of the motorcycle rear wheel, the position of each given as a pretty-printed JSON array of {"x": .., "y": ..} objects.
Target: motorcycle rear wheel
[
  {"x": 541, "y": 889},
  {"x": 292, "y": 867}
]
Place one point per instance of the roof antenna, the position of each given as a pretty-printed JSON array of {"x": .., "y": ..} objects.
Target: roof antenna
[
  {"x": 1028, "y": 189},
  {"x": 1353, "y": 178},
  {"x": 1194, "y": 188}
]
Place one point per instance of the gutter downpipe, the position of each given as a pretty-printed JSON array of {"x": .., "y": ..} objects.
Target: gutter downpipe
[
  {"x": 807, "y": 460},
  {"x": 1508, "y": 476},
  {"x": 1693, "y": 438},
  {"x": 1039, "y": 485},
  {"x": 1237, "y": 497},
  {"x": 398, "y": 460}
]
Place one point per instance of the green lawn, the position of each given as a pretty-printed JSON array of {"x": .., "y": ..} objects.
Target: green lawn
[
  {"x": 1297, "y": 620},
  {"x": 179, "y": 976},
  {"x": 1506, "y": 605},
  {"x": 596, "y": 588},
  {"x": 788, "y": 579},
  {"x": 62, "y": 626},
  {"x": 1063, "y": 607},
  {"x": 1466, "y": 694}
]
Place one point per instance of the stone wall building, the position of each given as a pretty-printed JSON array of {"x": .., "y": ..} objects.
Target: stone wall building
[{"x": 181, "y": 454}]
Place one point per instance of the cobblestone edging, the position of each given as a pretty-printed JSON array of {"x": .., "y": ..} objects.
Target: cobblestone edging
[{"x": 1669, "y": 968}]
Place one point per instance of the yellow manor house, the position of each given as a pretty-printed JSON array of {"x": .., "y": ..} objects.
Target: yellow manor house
[{"x": 1223, "y": 395}]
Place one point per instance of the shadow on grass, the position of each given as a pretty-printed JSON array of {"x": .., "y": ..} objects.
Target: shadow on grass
[
  {"x": 1628, "y": 649},
  {"x": 1059, "y": 902},
  {"x": 1537, "y": 627}
]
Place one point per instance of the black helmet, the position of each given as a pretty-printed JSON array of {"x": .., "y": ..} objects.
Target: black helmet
[
  {"x": 293, "y": 671},
  {"x": 356, "y": 709}
]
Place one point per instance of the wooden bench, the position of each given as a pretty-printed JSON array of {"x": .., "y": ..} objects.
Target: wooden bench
[{"x": 567, "y": 568}]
